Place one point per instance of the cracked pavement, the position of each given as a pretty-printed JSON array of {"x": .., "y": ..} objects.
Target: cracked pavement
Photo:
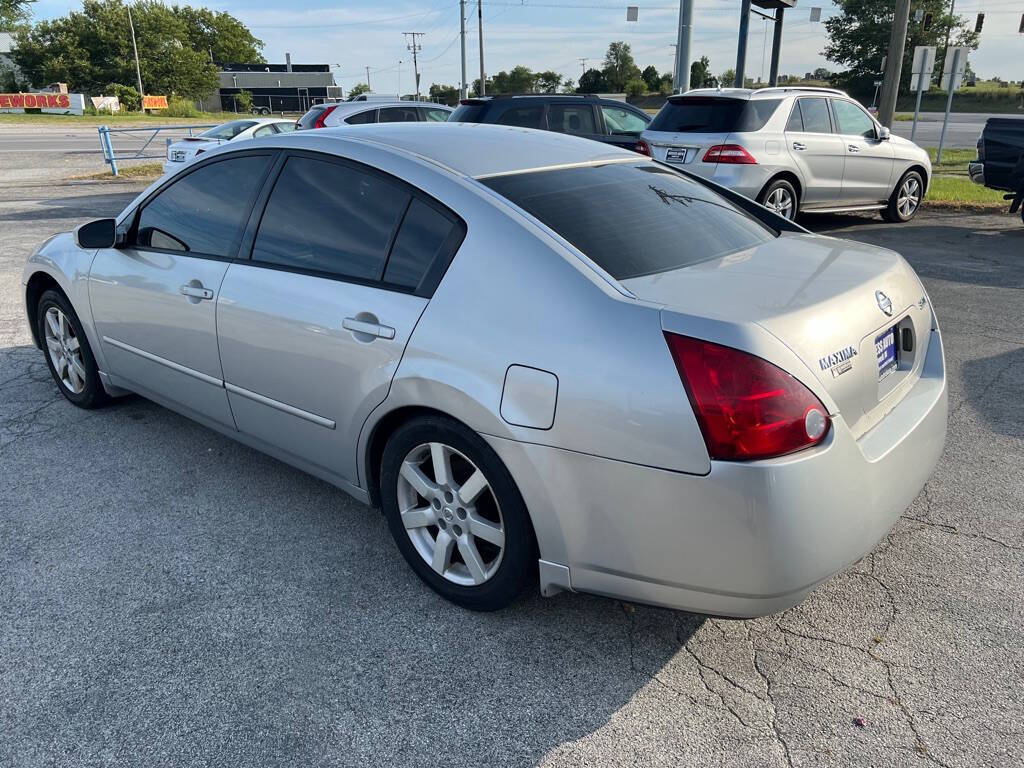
[{"x": 169, "y": 597}]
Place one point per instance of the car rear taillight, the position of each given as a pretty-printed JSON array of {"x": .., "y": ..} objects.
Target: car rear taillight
[
  {"x": 747, "y": 408},
  {"x": 643, "y": 147},
  {"x": 319, "y": 123},
  {"x": 729, "y": 153}
]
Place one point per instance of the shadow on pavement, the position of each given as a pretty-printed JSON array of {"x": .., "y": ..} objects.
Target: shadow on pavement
[
  {"x": 172, "y": 594},
  {"x": 109, "y": 200},
  {"x": 992, "y": 387}
]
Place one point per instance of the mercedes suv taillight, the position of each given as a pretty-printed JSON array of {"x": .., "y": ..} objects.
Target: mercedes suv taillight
[
  {"x": 746, "y": 407},
  {"x": 729, "y": 153}
]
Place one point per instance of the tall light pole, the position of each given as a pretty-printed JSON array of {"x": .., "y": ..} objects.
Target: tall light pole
[
  {"x": 480, "y": 24},
  {"x": 682, "y": 78},
  {"x": 741, "y": 45},
  {"x": 415, "y": 48},
  {"x": 464, "y": 90},
  {"x": 894, "y": 63},
  {"x": 399, "y": 78},
  {"x": 368, "y": 89},
  {"x": 135, "y": 49}
]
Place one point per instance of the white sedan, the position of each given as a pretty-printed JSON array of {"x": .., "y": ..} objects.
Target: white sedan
[{"x": 181, "y": 153}]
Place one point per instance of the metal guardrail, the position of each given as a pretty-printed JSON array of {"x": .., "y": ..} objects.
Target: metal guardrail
[{"x": 111, "y": 158}]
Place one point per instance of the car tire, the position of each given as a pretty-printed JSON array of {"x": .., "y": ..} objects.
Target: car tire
[
  {"x": 465, "y": 529},
  {"x": 68, "y": 354},
  {"x": 905, "y": 200},
  {"x": 780, "y": 197}
]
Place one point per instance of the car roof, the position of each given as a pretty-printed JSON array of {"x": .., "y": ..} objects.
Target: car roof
[
  {"x": 477, "y": 149},
  {"x": 757, "y": 93},
  {"x": 351, "y": 107},
  {"x": 586, "y": 97}
]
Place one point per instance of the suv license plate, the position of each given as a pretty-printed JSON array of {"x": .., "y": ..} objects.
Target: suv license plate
[
  {"x": 676, "y": 155},
  {"x": 885, "y": 350},
  {"x": 178, "y": 155}
]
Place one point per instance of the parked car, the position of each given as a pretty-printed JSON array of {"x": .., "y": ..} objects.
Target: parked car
[
  {"x": 362, "y": 111},
  {"x": 1000, "y": 163},
  {"x": 591, "y": 117},
  {"x": 183, "y": 152},
  {"x": 538, "y": 355},
  {"x": 812, "y": 150}
]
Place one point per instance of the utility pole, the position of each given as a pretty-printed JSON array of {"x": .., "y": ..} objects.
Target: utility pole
[
  {"x": 415, "y": 48},
  {"x": 741, "y": 44},
  {"x": 681, "y": 83},
  {"x": 464, "y": 90},
  {"x": 773, "y": 77},
  {"x": 135, "y": 49},
  {"x": 952, "y": 11},
  {"x": 368, "y": 90},
  {"x": 583, "y": 63},
  {"x": 894, "y": 63},
  {"x": 480, "y": 23}
]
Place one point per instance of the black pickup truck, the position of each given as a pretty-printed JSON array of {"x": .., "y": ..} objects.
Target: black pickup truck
[{"x": 1000, "y": 163}]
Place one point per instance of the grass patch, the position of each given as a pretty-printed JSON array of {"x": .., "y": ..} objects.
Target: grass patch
[
  {"x": 959, "y": 192},
  {"x": 142, "y": 172},
  {"x": 133, "y": 118},
  {"x": 954, "y": 161}
]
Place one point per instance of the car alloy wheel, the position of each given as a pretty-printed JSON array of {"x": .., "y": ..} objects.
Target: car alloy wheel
[
  {"x": 781, "y": 201},
  {"x": 909, "y": 197},
  {"x": 450, "y": 514},
  {"x": 65, "y": 350}
]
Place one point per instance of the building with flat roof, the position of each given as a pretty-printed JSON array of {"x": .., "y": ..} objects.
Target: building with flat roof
[{"x": 274, "y": 87}]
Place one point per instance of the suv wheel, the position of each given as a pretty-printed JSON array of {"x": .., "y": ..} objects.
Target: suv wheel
[
  {"x": 780, "y": 197},
  {"x": 905, "y": 199}
]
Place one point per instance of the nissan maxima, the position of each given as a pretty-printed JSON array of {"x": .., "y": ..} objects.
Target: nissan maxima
[{"x": 544, "y": 359}]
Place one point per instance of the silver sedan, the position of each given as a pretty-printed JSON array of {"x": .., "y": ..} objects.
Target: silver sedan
[{"x": 541, "y": 357}]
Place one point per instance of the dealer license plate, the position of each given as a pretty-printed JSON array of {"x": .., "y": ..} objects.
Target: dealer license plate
[
  {"x": 885, "y": 350},
  {"x": 676, "y": 155},
  {"x": 178, "y": 155}
]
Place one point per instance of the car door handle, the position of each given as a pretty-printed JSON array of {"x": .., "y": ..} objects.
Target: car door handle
[
  {"x": 853, "y": 147},
  {"x": 370, "y": 329},
  {"x": 196, "y": 292},
  {"x": 799, "y": 146}
]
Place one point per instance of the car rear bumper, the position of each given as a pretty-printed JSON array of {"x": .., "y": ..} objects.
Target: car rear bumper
[
  {"x": 747, "y": 539},
  {"x": 976, "y": 170}
]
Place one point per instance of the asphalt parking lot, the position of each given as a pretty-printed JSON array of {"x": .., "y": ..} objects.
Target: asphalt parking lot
[{"x": 170, "y": 597}]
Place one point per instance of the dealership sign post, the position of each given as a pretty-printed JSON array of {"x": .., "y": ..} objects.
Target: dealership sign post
[
  {"x": 921, "y": 77},
  {"x": 53, "y": 103}
]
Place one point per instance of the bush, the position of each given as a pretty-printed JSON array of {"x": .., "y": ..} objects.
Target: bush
[
  {"x": 178, "y": 107},
  {"x": 129, "y": 98},
  {"x": 243, "y": 100},
  {"x": 636, "y": 87}
]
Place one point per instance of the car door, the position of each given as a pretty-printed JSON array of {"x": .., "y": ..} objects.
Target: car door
[
  {"x": 575, "y": 118},
  {"x": 434, "y": 114},
  {"x": 868, "y": 172},
  {"x": 818, "y": 153},
  {"x": 313, "y": 326},
  {"x": 622, "y": 126},
  {"x": 153, "y": 298}
]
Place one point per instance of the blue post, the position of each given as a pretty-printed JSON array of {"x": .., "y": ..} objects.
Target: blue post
[{"x": 108, "y": 149}]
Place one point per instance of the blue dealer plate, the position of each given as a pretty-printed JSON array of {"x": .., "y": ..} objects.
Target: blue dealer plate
[{"x": 885, "y": 350}]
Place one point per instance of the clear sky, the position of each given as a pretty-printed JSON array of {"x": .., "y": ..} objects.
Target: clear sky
[{"x": 550, "y": 34}]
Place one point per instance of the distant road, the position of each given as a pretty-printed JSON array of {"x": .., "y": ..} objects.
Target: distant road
[{"x": 961, "y": 133}]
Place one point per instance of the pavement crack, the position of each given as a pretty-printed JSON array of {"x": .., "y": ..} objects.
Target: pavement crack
[{"x": 770, "y": 699}]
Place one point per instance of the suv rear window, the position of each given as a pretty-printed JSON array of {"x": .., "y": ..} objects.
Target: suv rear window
[
  {"x": 634, "y": 219},
  {"x": 468, "y": 113},
  {"x": 708, "y": 114}
]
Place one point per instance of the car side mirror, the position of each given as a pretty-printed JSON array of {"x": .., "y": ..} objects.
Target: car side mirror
[
  {"x": 883, "y": 133},
  {"x": 96, "y": 234}
]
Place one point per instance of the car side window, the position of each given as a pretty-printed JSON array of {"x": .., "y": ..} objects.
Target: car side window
[
  {"x": 423, "y": 234},
  {"x": 265, "y": 130},
  {"x": 204, "y": 211},
  {"x": 398, "y": 115},
  {"x": 795, "y": 123},
  {"x": 284, "y": 127},
  {"x": 620, "y": 120},
  {"x": 330, "y": 218},
  {"x": 814, "y": 112},
  {"x": 524, "y": 117},
  {"x": 853, "y": 121},
  {"x": 361, "y": 118},
  {"x": 433, "y": 115},
  {"x": 577, "y": 120}
]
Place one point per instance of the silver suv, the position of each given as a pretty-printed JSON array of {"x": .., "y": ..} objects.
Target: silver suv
[{"x": 792, "y": 149}]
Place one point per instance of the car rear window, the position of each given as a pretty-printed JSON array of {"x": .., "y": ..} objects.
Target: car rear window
[
  {"x": 467, "y": 113},
  {"x": 228, "y": 130},
  {"x": 708, "y": 114},
  {"x": 634, "y": 219}
]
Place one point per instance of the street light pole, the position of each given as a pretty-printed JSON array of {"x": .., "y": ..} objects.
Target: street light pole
[
  {"x": 741, "y": 44},
  {"x": 682, "y": 79},
  {"x": 480, "y": 24},
  {"x": 894, "y": 63},
  {"x": 464, "y": 90},
  {"x": 135, "y": 50}
]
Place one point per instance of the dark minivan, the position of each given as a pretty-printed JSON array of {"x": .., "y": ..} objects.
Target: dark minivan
[{"x": 585, "y": 115}]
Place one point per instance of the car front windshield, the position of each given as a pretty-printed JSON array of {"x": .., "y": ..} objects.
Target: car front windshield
[
  {"x": 227, "y": 131},
  {"x": 634, "y": 219}
]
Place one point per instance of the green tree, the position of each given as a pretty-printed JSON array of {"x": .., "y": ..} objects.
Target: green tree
[
  {"x": 636, "y": 87},
  {"x": 127, "y": 97},
  {"x": 592, "y": 81},
  {"x": 91, "y": 48},
  {"x": 700, "y": 74},
  {"x": 14, "y": 12},
  {"x": 651, "y": 78},
  {"x": 445, "y": 94},
  {"x": 547, "y": 82},
  {"x": 221, "y": 36},
  {"x": 243, "y": 101},
  {"x": 358, "y": 90},
  {"x": 519, "y": 79},
  {"x": 728, "y": 78},
  {"x": 859, "y": 38},
  {"x": 619, "y": 67}
]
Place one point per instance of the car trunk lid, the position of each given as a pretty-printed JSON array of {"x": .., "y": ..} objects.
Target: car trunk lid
[{"x": 847, "y": 310}]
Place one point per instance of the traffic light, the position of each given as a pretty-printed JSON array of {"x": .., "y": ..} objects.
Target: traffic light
[
  {"x": 927, "y": 23},
  {"x": 978, "y": 23}
]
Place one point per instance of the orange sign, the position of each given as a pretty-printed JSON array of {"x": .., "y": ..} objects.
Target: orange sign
[
  {"x": 34, "y": 101},
  {"x": 154, "y": 102}
]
